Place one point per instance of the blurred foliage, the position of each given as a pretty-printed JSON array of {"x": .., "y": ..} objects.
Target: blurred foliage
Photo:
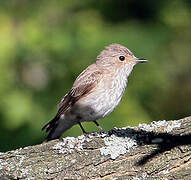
[{"x": 44, "y": 45}]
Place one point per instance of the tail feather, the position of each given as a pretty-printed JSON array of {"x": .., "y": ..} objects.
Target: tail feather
[
  {"x": 51, "y": 126},
  {"x": 53, "y": 133},
  {"x": 56, "y": 127}
]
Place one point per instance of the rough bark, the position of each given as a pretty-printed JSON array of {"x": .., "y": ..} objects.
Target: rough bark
[{"x": 161, "y": 150}]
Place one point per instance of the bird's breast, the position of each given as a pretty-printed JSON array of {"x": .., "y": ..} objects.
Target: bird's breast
[
  {"x": 105, "y": 97},
  {"x": 115, "y": 92}
]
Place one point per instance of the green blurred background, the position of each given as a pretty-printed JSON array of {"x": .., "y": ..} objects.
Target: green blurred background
[{"x": 45, "y": 44}]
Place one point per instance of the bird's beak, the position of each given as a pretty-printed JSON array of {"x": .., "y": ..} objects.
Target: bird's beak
[{"x": 141, "y": 60}]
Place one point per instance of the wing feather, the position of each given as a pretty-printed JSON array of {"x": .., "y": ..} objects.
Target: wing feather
[{"x": 85, "y": 82}]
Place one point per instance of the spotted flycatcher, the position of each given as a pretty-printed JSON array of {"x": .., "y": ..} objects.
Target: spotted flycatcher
[{"x": 96, "y": 92}]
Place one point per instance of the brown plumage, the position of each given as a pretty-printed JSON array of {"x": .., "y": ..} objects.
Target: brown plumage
[{"x": 95, "y": 92}]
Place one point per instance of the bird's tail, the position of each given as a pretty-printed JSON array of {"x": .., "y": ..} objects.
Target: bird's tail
[
  {"x": 51, "y": 128},
  {"x": 56, "y": 127}
]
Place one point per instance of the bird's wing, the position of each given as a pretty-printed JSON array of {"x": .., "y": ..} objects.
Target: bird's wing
[{"x": 85, "y": 82}]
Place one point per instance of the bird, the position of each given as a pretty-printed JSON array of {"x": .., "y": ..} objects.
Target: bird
[{"x": 96, "y": 92}]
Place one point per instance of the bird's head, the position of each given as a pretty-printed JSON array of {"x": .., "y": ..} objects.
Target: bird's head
[{"x": 118, "y": 57}]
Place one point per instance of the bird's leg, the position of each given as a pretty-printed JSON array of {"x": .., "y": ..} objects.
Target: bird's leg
[
  {"x": 102, "y": 130},
  {"x": 83, "y": 130}
]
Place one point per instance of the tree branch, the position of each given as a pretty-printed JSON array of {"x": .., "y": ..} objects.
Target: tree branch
[{"x": 159, "y": 150}]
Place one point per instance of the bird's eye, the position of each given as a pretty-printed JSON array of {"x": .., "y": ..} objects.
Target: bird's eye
[{"x": 121, "y": 58}]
